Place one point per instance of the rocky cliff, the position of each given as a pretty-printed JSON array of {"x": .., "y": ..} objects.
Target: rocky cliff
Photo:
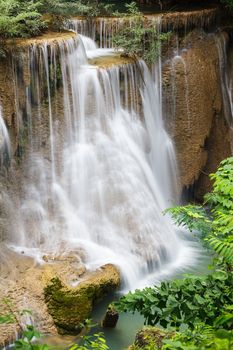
[
  {"x": 196, "y": 99},
  {"x": 194, "y": 90}
]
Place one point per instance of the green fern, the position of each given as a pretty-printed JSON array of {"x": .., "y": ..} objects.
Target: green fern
[
  {"x": 224, "y": 248},
  {"x": 216, "y": 224},
  {"x": 194, "y": 217}
]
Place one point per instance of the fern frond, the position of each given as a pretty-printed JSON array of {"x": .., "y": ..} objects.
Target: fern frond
[
  {"x": 224, "y": 248},
  {"x": 193, "y": 217}
]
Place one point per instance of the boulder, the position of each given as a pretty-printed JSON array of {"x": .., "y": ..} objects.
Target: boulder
[
  {"x": 70, "y": 306},
  {"x": 24, "y": 282},
  {"x": 150, "y": 335}
]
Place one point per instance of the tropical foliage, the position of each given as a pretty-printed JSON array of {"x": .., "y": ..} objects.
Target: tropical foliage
[
  {"x": 20, "y": 18},
  {"x": 136, "y": 39},
  {"x": 214, "y": 220},
  {"x": 186, "y": 301},
  {"x": 198, "y": 308},
  {"x": 229, "y": 3},
  {"x": 26, "y": 18},
  {"x": 202, "y": 337}
]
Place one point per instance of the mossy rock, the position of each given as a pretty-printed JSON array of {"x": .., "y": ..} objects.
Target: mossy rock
[
  {"x": 112, "y": 60},
  {"x": 70, "y": 306},
  {"x": 150, "y": 335}
]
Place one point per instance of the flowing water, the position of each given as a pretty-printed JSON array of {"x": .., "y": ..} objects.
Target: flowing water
[
  {"x": 100, "y": 167},
  {"x": 5, "y": 149},
  {"x": 100, "y": 29},
  {"x": 226, "y": 83}
]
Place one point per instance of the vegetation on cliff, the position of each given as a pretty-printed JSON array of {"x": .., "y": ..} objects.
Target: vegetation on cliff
[
  {"x": 229, "y": 3},
  {"x": 197, "y": 309},
  {"x": 137, "y": 39},
  {"x": 23, "y": 18}
]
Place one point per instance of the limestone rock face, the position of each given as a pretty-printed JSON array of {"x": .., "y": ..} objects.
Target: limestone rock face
[
  {"x": 15, "y": 79},
  {"x": 193, "y": 98},
  {"x": 71, "y": 305},
  {"x": 194, "y": 104},
  {"x": 218, "y": 148}
]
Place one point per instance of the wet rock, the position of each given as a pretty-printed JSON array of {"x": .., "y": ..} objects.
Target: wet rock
[
  {"x": 195, "y": 109},
  {"x": 15, "y": 79},
  {"x": 150, "y": 335},
  {"x": 112, "y": 60},
  {"x": 111, "y": 317},
  {"x": 25, "y": 281},
  {"x": 70, "y": 306}
]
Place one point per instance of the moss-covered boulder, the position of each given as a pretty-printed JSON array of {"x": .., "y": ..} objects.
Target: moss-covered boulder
[
  {"x": 69, "y": 306},
  {"x": 150, "y": 336}
]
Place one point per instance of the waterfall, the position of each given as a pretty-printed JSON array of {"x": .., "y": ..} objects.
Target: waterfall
[
  {"x": 100, "y": 168},
  {"x": 226, "y": 83},
  {"x": 5, "y": 149},
  {"x": 101, "y": 29}
]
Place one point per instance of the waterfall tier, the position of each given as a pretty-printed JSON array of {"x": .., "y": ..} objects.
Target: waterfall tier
[
  {"x": 99, "y": 167},
  {"x": 103, "y": 29}
]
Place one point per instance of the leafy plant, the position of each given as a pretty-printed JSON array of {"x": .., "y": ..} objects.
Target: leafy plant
[
  {"x": 216, "y": 223},
  {"x": 96, "y": 8},
  {"x": 20, "y": 18},
  {"x": 132, "y": 9},
  {"x": 29, "y": 335},
  {"x": 26, "y": 18},
  {"x": 186, "y": 301},
  {"x": 229, "y": 3},
  {"x": 92, "y": 342},
  {"x": 195, "y": 218},
  {"x": 138, "y": 39},
  {"x": 201, "y": 338}
]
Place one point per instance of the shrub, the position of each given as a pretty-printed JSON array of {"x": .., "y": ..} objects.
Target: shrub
[
  {"x": 229, "y": 3},
  {"x": 137, "y": 39},
  {"x": 26, "y": 18}
]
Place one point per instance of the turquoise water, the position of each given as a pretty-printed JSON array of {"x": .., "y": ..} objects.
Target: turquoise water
[{"x": 123, "y": 335}]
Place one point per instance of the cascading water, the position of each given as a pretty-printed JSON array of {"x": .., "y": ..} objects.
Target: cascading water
[
  {"x": 5, "y": 149},
  {"x": 226, "y": 83},
  {"x": 101, "y": 29},
  {"x": 100, "y": 186}
]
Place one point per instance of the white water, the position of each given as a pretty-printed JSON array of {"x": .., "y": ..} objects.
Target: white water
[
  {"x": 102, "y": 29},
  {"x": 5, "y": 149},
  {"x": 226, "y": 83},
  {"x": 109, "y": 172}
]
